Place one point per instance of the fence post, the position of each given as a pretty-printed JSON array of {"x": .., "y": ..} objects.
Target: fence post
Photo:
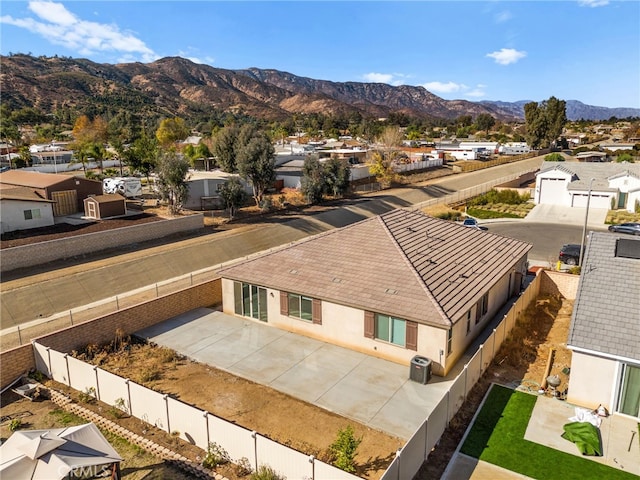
[
  {"x": 312, "y": 461},
  {"x": 66, "y": 361},
  {"x": 49, "y": 366},
  {"x": 254, "y": 435},
  {"x": 205, "y": 414},
  {"x": 95, "y": 369},
  {"x": 128, "y": 395},
  {"x": 166, "y": 403},
  {"x": 466, "y": 372},
  {"x": 481, "y": 364}
]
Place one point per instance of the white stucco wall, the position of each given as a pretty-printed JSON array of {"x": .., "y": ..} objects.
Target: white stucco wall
[
  {"x": 344, "y": 326},
  {"x": 592, "y": 381},
  {"x": 13, "y": 215},
  {"x": 631, "y": 186}
]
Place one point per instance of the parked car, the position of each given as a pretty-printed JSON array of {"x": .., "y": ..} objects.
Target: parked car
[
  {"x": 471, "y": 223},
  {"x": 632, "y": 228},
  {"x": 570, "y": 254}
]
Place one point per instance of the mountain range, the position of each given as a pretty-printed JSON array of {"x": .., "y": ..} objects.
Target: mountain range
[{"x": 175, "y": 86}]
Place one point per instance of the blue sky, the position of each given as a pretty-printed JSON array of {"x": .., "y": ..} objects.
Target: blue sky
[{"x": 522, "y": 50}]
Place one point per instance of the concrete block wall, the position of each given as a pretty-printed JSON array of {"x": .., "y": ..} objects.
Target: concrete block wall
[
  {"x": 43, "y": 252},
  {"x": 558, "y": 283},
  {"x": 19, "y": 360},
  {"x": 137, "y": 317},
  {"x": 16, "y": 362}
]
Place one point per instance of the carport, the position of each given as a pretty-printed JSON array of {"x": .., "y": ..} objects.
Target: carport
[{"x": 375, "y": 392}]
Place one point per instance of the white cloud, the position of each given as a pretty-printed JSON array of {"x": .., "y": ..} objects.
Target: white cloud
[
  {"x": 593, "y": 3},
  {"x": 477, "y": 92},
  {"x": 442, "y": 87},
  {"x": 378, "y": 77},
  {"x": 506, "y": 56},
  {"x": 191, "y": 54},
  {"x": 61, "y": 27},
  {"x": 503, "y": 16}
]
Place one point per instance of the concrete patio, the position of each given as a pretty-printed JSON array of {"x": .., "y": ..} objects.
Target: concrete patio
[{"x": 375, "y": 392}]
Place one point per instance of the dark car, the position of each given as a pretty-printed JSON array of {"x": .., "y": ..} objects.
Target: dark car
[
  {"x": 632, "y": 228},
  {"x": 570, "y": 254}
]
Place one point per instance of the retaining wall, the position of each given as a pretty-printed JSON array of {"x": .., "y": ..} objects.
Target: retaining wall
[
  {"x": 558, "y": 283},
  {"x": 44, "y": 252}
]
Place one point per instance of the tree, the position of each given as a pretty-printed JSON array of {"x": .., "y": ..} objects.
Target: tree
[
  {"x": 172, "y": 170},
  {"x": 313, "y": 181},
  {"x": 171, "y": 130},
  {"x": 484, "y": 121},
  {"x": 256, "y": 164},
  {"x": 625, "y": 157},
  {"x": 141, "y": 156},
  {"x": 233, "y": 195},
  {"x": 380, "y": 166},
  {"x": 554, "y": 157},
  {"x": 544, "y": 122},
  {"x": 337, "y": 175},
  {"x": 196, "y": 152},
  {"x": 224, "y": 148},
  {"x": 97, "y": 152}
]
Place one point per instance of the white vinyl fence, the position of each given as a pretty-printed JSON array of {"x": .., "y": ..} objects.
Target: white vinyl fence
[
  {"x": 416, "y": 450},
  {"x": 419, "y": 165},
  {"x": 195, "y": 426}
]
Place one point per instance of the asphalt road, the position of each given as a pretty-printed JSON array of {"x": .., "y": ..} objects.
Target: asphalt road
[{"x": 39, "y": 295}]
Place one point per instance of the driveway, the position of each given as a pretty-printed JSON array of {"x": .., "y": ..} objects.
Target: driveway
[
  {"x": 370, "y": 390},
  {"x": 567, "y": 215}
]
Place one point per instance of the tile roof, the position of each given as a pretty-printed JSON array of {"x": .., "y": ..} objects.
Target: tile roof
[
  {"x": 606, "y": 313},
  {"x": 401, "y": 263}
]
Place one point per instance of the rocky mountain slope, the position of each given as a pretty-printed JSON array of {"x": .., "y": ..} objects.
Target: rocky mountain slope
[{"x": 177, "y": 86}]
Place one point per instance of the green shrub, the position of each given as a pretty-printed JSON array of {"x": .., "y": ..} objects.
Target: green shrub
[
  {"x": 554, "y": 157},
  {"x": 88, "y": 396},
  {"x": 265, "y": 472},
  {"x": 15, "y": 424},
  {"x": 510, "y": 197},
  {"x": 216, "y": 455},
  {"x": 344, "y": 448}
]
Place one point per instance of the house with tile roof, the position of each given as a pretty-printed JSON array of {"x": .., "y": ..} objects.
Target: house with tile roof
[
  {"x": 393, "y": 286},
  {"x": 569, "y": 183},
  {"x": 23, "y": 208},
  {"x": 604, "y": 335}
]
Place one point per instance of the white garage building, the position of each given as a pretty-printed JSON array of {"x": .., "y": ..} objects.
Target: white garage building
[{"x": 568, "y": 184}]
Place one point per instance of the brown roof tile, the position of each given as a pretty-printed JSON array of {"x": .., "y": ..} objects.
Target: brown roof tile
[{"x": 402, "y": 263}]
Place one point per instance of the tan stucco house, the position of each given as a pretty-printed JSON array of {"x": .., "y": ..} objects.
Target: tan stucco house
[
  {"x": 393, "y": 286},
  {"x": 605, "y": 326}
]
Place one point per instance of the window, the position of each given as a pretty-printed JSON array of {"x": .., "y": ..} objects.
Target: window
[
  {"x": 32, "y": 214},
  {"x": 300, "y": 307},
  {"x": 482, "y": 307},
  {"x": 250, "y": 301},
  {"x": 629, "y": 401},
  {"x": 390, "y": 329},
  {"x": 449, "y": 341},
  {"x": 468, "y": 321}
]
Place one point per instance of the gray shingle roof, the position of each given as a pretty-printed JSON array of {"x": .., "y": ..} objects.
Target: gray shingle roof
[
  {"x": 606, "y": 313},
  {"x": 401, "y": 263},
  {"x": 599, "y": 171}
]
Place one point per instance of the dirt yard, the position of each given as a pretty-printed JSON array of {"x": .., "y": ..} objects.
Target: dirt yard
[{"x": 521, "y": 362}]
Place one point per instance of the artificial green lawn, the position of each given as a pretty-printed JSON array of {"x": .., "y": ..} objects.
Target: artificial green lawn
[{"x": 497, "y": 437}]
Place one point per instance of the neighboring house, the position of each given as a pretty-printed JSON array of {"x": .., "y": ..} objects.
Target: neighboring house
[
  {"x": 616, "y": 146},
  {"x": 105, "y": 206},
  {"x": 392, "y": 286},
  {"x": 605, "y": 326},
  {"x": 66, "y": 191},
  {"x": 568, "y": 184},
  {"x": 592, "y": 157},
  {"x": 204, "y": 188},
  {"x": 22, "y": 208}
]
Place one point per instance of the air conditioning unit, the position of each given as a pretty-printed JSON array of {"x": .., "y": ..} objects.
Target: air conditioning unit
[{"x": 420, "y": 369}]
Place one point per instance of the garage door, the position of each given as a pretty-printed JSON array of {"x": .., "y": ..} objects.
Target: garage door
[
  {"x": 552, "y": 190},
  {"x": 597, "y": 201}
]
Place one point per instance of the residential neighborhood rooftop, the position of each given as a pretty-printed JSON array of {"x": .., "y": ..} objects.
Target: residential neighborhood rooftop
[
  {"x": 31, "y": 179},
  {"x": 401, "y": 263},
  {"x": 606, "y": 314}
]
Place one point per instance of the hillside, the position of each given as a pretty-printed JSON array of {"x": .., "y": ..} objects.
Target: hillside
[{"x": 176, "y": 86}]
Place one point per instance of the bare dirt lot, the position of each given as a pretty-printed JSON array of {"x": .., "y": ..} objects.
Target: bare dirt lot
[{"x": 521, "y": 361}]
